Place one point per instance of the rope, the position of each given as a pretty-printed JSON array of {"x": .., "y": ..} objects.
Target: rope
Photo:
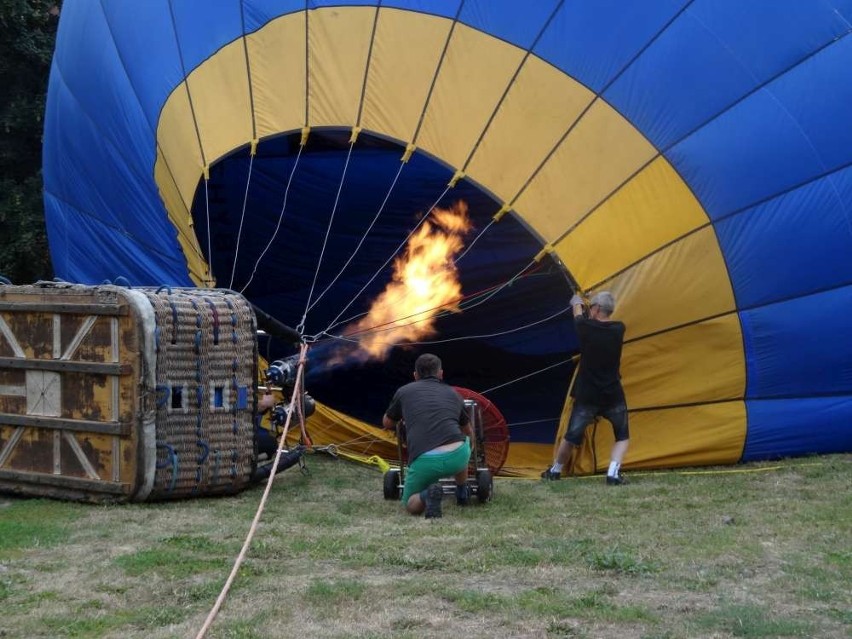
[
  {"x": 209, "y": 250},
  {"x": 453, "y": 339},
  {"x": 280, "y": 218},
  {"x": 518, "y": 379},
  {"x": 382, "y": 267},
  {"x": 242, "y": 219},
  {"x": 363, "y": 237},
  {"x": 395, "y": 323},
  {"x": 475, "y": 240},
  {"x": 533, "y": 421},
  {"x": 501, "y": 287},
  {"x": 241, "y": 557},
  {"x": 301, "y": 327}
]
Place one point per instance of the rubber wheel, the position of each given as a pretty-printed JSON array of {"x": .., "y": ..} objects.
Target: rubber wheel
[
  {"x": 391, "y": 486},
  {"x": 484, "y": 486}
]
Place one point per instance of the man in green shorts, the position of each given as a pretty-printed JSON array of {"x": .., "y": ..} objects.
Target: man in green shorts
[{"x": 438, "y": 437}]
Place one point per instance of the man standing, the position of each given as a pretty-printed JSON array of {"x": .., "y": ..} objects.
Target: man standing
[
  {"x": 597, "y": 388},
  {"x": 434, "y": 419}
]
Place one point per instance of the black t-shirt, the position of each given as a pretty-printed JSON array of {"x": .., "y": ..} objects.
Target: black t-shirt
[
  {"x": 599, "y": 379},
  {"x": 433, "y": 413}
]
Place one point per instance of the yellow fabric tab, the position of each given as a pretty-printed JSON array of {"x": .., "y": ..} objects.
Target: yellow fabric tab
[
  {"x": 652, "y": 209},
  {"x": 458, "y": 175},
  {"x": 254, "y": 146},
  {"x": 206, "y": 172},
  {"x": 503, "y": 210},
  {"x": 409, "y": 151},
  {"x": 356, "y": 130},
  {"x": 306, "y": 131},
  {"x": 547, "y": 250}
]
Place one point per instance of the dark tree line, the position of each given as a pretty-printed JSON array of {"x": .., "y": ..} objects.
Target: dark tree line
[{"x": 27, "y": 38}]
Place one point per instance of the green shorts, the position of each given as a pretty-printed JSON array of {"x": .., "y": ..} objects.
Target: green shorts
[{"x": 430, "y": 467}]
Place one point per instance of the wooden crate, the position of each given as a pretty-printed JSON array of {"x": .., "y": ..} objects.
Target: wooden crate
[{"x": 110, "y": 393}]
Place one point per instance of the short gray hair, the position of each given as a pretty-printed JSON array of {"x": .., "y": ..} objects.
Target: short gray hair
[
  {"x": 427, "y": 365},
  {"x": 605, "y": 301}
]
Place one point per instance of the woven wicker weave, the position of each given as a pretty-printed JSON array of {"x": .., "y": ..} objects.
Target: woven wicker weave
[{"x": 206, "y": 358}]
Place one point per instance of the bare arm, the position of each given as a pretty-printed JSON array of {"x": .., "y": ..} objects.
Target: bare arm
[
  {"x": 577, "y": 305},
  {"x": 265, "y": 402}
]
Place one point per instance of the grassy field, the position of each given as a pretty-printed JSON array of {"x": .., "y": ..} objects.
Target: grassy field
[{"x": 763, "y": 551}]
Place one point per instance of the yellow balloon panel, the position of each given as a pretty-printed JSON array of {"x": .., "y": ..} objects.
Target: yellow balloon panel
[
  {"x": 475, "y": 72},
  {"x": 652, "y": 209},
  {"x": 179, "y": 146},
  {"x": 406, "y": 52},
  {"x": 527, "y": 460},
  {"x": 539, "y": 108},
  {"x": 277, "y": 76},
  {"x": 687, "y": 436},
  {"x": 696, "y": 363},
  {"x": 338, "y": 46},
  {"x": 684, "y": 282},
  {"x": 182, "y": 221},
  {"x": 221, "y": 103},
  {"x": 328, "y": 426},
  {"x": 599, "y": 154}
]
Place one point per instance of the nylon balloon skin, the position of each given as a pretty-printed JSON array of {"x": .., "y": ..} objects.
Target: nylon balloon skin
[{"x": 691, "y": 156}]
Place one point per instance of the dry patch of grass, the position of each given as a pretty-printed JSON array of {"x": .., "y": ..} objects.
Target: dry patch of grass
[{"x": 730, "y": 554}]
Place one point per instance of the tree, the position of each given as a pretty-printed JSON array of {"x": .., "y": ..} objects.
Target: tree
[{"x": 27, "y": 38}]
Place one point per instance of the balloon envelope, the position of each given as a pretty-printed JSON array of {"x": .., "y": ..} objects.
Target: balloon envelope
[{"x": 691, "y": 157}]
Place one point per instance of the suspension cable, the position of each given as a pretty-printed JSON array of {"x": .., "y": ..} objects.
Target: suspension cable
[
  {"x": 209, "y": 250},
  {"x": 347, "y": 338},
  {"x": 242, "y": 219},
  {"x": 382, "y": 267},
  {"x": 301, "y": 327},
  {"x": 475, "y": 240},
  {"x": 442, "y": 313},
  {"x": 522, "y": 377},
  {"x": 363, "y": 237},
  {"x": 280, "y": 218}
]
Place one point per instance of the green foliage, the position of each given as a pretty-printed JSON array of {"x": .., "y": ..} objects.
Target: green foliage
[{"x": 27, "y": 36}]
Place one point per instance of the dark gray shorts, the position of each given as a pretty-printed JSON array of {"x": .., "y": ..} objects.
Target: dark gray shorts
[{"x": 584, "y": 414}]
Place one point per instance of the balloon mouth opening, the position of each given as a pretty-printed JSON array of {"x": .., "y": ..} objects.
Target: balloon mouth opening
[{"x": 312, "y": 234}]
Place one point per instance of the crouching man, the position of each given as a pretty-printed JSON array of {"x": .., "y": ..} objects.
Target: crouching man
[{"x": 438, "y": 437}]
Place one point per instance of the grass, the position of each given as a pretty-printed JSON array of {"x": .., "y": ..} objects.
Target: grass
[{"x": 758, "y": 551}]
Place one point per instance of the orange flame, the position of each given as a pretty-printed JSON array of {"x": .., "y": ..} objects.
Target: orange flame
[{"x": 424, "y": 283}]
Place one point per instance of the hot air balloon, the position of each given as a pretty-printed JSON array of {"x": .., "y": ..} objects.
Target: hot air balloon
[{"x": 691, "y": 156}]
